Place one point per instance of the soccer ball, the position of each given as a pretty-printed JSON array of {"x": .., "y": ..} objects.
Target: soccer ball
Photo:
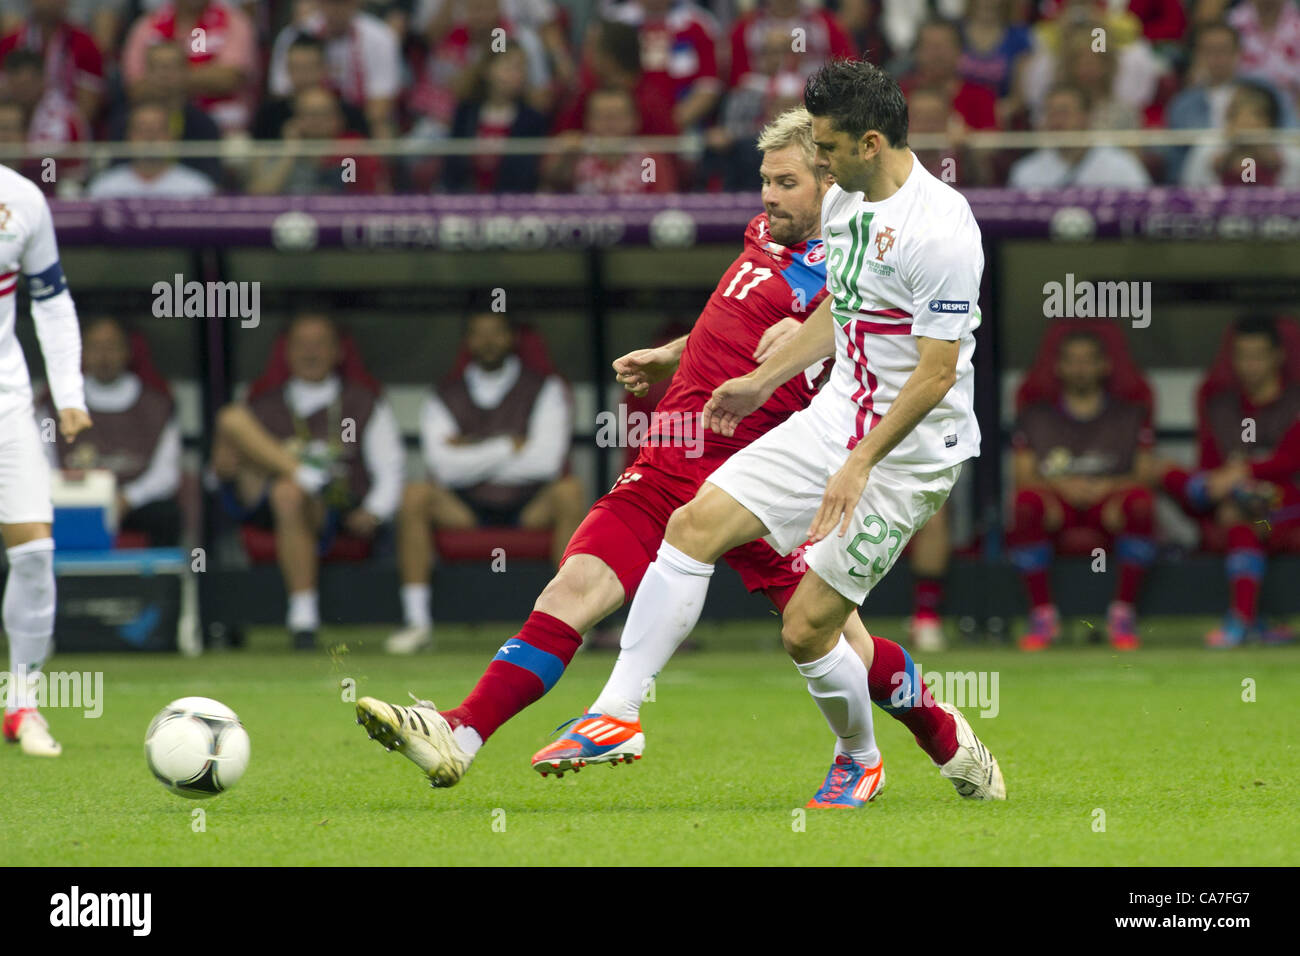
[{"x": 196, "y": 747}]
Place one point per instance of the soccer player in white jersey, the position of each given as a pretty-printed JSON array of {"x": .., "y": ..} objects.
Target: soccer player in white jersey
[
  {"x": 868, "y": 462},
  {"x": 28, "y": 247}
]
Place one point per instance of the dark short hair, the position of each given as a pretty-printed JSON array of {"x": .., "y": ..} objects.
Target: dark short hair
[
  {"x": 621, "y": 43},
  {"x": 1078, "y": 92},
  {"x": 24, "y": 59},
  {"x": 858, "y": 96},
  {"x": 305, "y": 41},
  {"x": 1264, "y": 325},
  {"x": 101, "y": 318},
  {"x": 1265, "y": 96},
  {"x": 1082, "y": 335},
  {"x": 1212, "y": 26},
  {"x": 505, "y": 317}
]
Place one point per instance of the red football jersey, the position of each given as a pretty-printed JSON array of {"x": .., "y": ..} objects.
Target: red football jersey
[{"x": 766, "y": 283}]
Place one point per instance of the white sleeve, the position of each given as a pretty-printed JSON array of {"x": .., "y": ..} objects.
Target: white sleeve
[
  {"x": 943, "y": 275},
  {"x": 550, "y": 432},
  {"x": 383, "y": 64},
  {"x": 1198, "y": 168},
  {"x": 53, "y": 312},
  {"x": 458, "y": 466},
  {"x": 163, "y": 476},
  {"x": 385, "y": 459}
]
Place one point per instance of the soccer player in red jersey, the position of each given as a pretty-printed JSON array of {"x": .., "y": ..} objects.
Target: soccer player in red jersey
[
  {"x": 1248, "y": 479},
  {"x": 779, "y": 274}
]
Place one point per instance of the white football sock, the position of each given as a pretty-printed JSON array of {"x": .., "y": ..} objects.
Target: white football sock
[
  {"x": 28, "y": 616},
  {"x": 304, "y": 612},
  {"x": 467, "y": 739},
  {"x": 415, "y": 605},
  {"x": 663, "y": 613},
  {"x": 838, "y": 682}
]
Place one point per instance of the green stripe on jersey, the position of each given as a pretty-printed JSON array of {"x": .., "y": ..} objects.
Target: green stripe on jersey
[{"x": 861, "y": 228}]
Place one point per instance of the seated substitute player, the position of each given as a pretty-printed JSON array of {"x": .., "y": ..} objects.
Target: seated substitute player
[
  {"x": 27, "y": 245},
  {"x": 494, "y": 438},
  {"x": 780, "y": 269},
  {"x": 136, "y": 435},
  {"x": 870, "y": 460},
  {"x": 1082, "y": 462},
  {"x": 319, "y": 454},
  {"x": 1248, "y": 479}
]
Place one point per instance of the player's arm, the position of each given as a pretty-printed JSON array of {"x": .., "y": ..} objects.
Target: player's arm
[
  {"x": 734, "y": 399},
  {"x": 637, "y": 371},
  {"x": 935, "y": 374},
  {"x": 55, "y": 317}
]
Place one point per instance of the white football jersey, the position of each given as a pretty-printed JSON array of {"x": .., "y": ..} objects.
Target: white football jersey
[
  {"x": 28, "y": 248},
  {"x": 906, "y": 266}
]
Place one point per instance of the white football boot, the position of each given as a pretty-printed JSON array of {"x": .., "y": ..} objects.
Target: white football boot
[
  {"x": 973, "y": 770},
  {"x": 409, "y": 640},
  {"x": 420, "y": 734},
  {"x": 28, "y": 729}
]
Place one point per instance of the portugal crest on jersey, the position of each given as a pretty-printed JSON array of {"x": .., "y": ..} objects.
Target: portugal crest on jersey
[{"x": 884, "y": 242}]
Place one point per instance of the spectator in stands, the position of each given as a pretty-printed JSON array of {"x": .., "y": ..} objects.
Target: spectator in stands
[
  {"x": 496, "y": 109},
  {"x": 610, "y": 113},
  {"x": 901, "y": 21},
  {"x": 1138, "y": 70},
  {"x": 993, "y": 51},
  {"x": 1254, "y": 108},
  {"x": 767, "y": 88},
  {"x": 1270, "y": 42},
  {"x": 136, "y": 435},
  {"x": 163, "y": 82},
  {"x": 13, "y": 132},
  {"x": 157, "y": 175},
  {"x": 48, "y": 116},
  {"x": 1058, "y": 167},
  {"x": 1084, "y": 462},
  {"x": 935, "y": 62},
  {"x": 434, "y": 19},
  {"x": 679, "y": 54},
  {"x": 318, "y": 456},
  {"x": 1248, "y": 477},
  {"x": 1093, "y": 71},
  {"x": 930, "y": 111},
  {"x": 222, "y": 56},
  {"x": 305, "y": 65},
  {"x": 495, "y": 440},
  {"x": 615, "y": 61},
  {"x": 751, "y": 39},
  {"x": 449, "y": 70},
  {"x": 318, "y": 117},
  {"x": 363, "y": 56},
  {"x": 71, "y": 59},
  {"x": 1211, "y": 82},
  {"x": 102, "y": 19}
]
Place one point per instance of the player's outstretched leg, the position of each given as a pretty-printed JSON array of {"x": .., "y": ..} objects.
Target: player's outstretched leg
[
  {"x": 28, "y": 613},
  {"x": 443, "y": 745},
  {"x": 663, "y": 613}
]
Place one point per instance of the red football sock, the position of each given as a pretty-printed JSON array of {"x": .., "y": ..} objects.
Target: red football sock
[
  {"x": 526, "y": 667},
  {"x": 1030, "y": 549},
  {"x": 1245, "y": 567},
  {"x": 934, "y": 729},
  {"x": 928, "y": 596}
]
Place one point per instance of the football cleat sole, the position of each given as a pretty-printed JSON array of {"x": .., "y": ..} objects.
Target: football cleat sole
[{"x": 420, "y": 734}]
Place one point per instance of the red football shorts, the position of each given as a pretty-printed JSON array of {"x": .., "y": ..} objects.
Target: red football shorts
[{"x": 625, "y": 527}]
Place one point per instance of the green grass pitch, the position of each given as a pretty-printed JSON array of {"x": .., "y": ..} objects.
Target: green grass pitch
[{"x": 1183, "y": 770}]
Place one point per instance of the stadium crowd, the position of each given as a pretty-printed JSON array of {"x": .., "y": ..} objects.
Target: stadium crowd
[{"x": 340, "y": 71}]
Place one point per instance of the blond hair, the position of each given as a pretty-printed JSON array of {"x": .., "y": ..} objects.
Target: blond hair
[{"x": 791, "y": 128}]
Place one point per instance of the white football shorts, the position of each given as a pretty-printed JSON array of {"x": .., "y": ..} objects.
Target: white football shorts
[
  {"x": 24, "y": 469},
  {"x": 780, "y": 478}
]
